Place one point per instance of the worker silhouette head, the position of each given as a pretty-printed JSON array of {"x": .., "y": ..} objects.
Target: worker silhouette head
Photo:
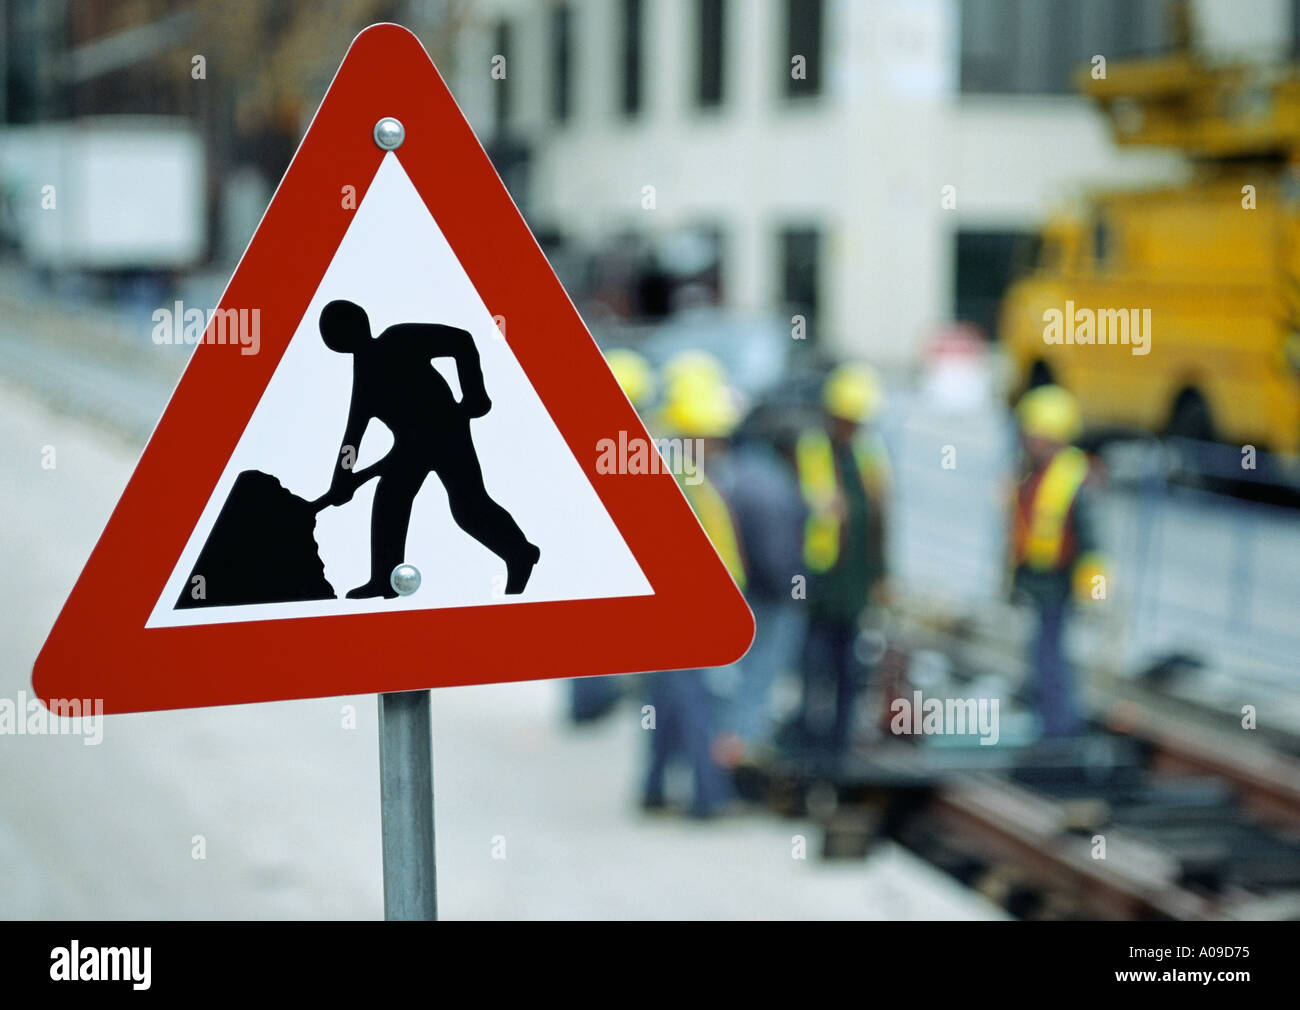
[{"x": 344, "y": 326}]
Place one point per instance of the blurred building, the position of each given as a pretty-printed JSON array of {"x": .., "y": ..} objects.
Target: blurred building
[
  {"x": 804, "y": 148},
  {"x": 876, "y": 168},
  {"x": 204, "y": 99}
]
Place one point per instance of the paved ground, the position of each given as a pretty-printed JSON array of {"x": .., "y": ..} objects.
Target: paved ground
[{"x": 285, "y": 797}]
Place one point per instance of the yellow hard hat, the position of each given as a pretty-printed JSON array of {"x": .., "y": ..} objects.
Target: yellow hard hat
[
  {"x": 633, "y": 373},
  {"x": 699, "y": 408},
  {"x": 693, "y": 368},
  {"x": 853, "y": 392},
  {"x": 1050, "y": 412}
]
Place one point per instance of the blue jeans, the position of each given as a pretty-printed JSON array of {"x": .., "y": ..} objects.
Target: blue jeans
[
  {"x": 829, "y": 665},
  {"x": 684, "y": 718},
  {"x": 778, "y": 628},
  {"x": 1053, "y": 680}
]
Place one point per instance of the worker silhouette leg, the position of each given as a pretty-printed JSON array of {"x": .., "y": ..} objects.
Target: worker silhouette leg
[
  {"x": 482, "y": 518},
  {"x": 390, "y": 517}
]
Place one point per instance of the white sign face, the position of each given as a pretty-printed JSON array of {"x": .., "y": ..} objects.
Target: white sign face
[{"x": 395, "y": 263}]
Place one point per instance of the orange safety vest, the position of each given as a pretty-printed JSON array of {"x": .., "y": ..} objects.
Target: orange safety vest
[{"x": 1042, "y": 536}]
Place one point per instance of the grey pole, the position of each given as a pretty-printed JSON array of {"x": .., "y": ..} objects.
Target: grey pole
[
  {"x": 406, "y": 805},
  {"x": 406, "y": 750}
]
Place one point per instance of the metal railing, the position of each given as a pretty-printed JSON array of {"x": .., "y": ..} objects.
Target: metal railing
[{"x": 1213, "y": 572}]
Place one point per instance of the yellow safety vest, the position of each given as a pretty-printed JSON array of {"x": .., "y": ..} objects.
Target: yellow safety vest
[
  {"x": 715, "y": 516},
  {"x": 1040, "y": 532},
  {"x": 819, "y": 482}
]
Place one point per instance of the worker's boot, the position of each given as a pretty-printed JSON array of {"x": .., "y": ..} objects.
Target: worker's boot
[
  {"x": 520, "y": 568},
  {"x": 378, "y": 586}
]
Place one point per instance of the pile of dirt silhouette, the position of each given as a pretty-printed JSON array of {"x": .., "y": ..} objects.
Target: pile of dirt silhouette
[{"x": 262, "y": 549}]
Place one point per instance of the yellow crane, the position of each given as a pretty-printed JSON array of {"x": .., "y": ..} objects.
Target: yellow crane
[{"x": 1177, "y": 309}]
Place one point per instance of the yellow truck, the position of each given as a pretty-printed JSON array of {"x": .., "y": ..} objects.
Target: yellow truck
[{"x": 1177, "y": 310}]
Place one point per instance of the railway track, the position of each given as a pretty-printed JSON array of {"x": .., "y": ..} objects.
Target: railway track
[{"x": 1153, "y": 814}]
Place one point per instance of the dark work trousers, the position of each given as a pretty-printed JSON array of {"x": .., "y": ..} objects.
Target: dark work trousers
[
  {"x": 683, "y": 728},
  {"x": 1053, "y": 678},
  {"x": 592, "y": 697},
  {"x": 830, "y": 673}
]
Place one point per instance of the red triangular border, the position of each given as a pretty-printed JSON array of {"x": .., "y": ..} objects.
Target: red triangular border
[{"x": 99, "y": 646}]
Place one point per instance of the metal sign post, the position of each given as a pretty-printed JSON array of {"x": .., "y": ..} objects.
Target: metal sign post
[
  {"x": 406, "y": 805},
  {"x": 406, "y": 751}
]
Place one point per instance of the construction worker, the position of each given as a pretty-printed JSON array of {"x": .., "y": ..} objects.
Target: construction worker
[
  {"x": 760, "y": 486},
  {"x": 593, "y": 697},
  {"x": 697, "y": 405},
  {"x": 394, "y": 381},
  {"x": 1053, "y": 553},
  {"x": 767, "y": 512},
  {"x": 844, "y": 478}
]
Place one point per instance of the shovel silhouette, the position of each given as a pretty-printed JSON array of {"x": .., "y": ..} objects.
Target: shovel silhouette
[{"x": 359, "y": 477}]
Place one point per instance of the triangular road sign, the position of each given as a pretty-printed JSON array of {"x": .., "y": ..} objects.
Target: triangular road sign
[{"x": 225, "y": 571}]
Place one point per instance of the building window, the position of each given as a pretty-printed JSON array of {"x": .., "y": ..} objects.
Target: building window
[
  {"x": 692, "y": 257},
  {"x": 800, "y": 252},
  {"x": 561, "y": 62},
  {"x": 512, "y": 160},
  {"x": 987, "y": 262},
  {"x": 630, "y": 97},
  {"x": 1037, "y": 46},
  {"x": 709, "y": 79},
  {"x": 803, "y": 48},
  {"x": 501, "y": 97}
]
